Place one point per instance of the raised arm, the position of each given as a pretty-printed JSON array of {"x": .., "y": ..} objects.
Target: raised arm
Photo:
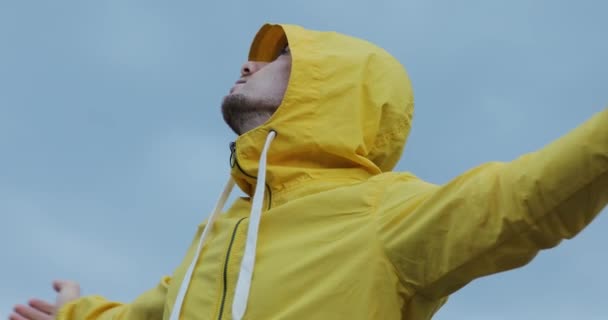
[{"x": 495, "y": 217}]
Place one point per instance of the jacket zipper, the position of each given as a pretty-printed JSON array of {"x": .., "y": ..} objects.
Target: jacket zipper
[
  {"x": 234, "y": 161},
  {"x": 226, "y": 261}
]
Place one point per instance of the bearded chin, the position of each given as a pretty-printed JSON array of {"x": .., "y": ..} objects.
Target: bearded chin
[{"x": 242, "y": 114}]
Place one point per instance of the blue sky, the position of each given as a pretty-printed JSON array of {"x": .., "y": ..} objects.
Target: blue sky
[{"x": 113, "y": 148}]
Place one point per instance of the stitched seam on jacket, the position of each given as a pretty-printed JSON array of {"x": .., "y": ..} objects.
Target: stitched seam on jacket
[{"x": 378, "y": 242}]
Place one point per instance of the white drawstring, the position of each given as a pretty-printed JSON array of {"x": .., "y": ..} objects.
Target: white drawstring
[
  {"x": 179, "y": 300},
  {"x": 243, "y": 285}
]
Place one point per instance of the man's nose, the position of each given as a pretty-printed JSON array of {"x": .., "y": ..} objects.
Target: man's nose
[{"x": 251, "y": 67}]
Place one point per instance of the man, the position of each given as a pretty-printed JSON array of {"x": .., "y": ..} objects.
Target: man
[{"x": 329, "y": 232}]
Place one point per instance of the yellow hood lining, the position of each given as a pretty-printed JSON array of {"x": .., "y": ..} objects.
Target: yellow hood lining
[{"x": 267, "y": 44}]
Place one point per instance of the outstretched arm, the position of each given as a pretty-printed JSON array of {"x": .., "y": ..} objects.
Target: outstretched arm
[
  {"x": 149, "y": 305},
  {"x": 495, "y": 217}
]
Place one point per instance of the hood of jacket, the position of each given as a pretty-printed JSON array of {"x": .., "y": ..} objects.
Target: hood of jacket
[{"x": 346, "y": 113}]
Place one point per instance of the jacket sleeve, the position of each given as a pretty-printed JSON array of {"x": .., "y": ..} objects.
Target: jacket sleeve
[
  {"x": 495, "y": 217},
  {"x": 149, "y": 305}
]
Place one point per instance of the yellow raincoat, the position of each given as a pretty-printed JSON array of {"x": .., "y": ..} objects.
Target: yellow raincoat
[{"x": 343, "y": 237}]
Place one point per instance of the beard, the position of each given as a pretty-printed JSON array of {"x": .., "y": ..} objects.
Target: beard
[{"x": 242, "y": 113}]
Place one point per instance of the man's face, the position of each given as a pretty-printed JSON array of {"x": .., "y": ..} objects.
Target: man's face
[{"x": 258, "y": 93}]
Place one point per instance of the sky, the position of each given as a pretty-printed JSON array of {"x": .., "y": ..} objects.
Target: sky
[{"x": 113, "y": 149}]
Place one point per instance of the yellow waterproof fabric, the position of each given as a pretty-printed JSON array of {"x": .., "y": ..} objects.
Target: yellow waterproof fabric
[{"x": 343, "y": 237}]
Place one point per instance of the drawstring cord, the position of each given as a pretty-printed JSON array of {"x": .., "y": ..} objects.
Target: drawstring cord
[
  {"x": 241, "y": 295},
  {"x": 179, "y": 300},
  {"x": 243, "y": 285}
]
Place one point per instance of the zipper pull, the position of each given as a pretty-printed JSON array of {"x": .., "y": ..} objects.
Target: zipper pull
[{"x": 232, "y": 154}]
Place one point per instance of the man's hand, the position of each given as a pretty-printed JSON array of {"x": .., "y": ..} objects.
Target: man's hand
[{"x": 41, "y": 310}]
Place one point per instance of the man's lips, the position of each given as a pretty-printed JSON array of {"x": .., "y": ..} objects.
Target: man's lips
[{"x": 238, "y": 82}]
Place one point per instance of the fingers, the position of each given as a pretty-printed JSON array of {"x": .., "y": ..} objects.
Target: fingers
[
  {"x": 67, "y": 288},
  {"x": 29, "y": 313},
  {"x": 42, "y": 306},
  {"x": 15, "y": 316},
  {"x": 67, "y": 291},
  {"x": 60, "y": 285},
  {"x": 41, "y": 310}
]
